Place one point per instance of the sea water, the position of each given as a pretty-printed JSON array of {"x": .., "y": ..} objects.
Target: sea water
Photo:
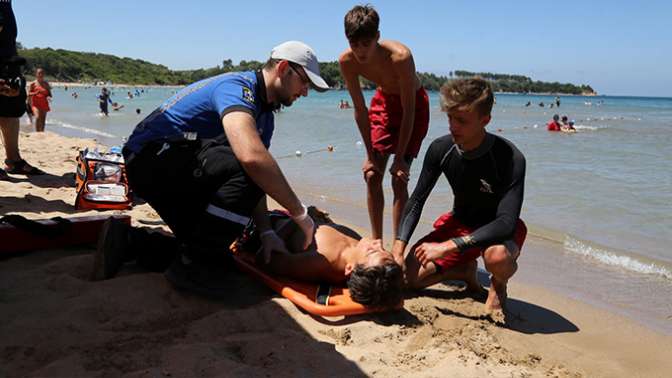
[{"x": 597, "y": 202}]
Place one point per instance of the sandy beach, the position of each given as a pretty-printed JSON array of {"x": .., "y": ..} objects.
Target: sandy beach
[{"x": 54, "y": 322}]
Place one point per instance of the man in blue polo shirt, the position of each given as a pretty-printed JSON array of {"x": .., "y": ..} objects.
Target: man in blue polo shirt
[{"x": 201, "y": 161}]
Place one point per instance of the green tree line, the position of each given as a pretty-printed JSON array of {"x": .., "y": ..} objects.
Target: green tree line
[
  {"x": 524, "y": 84},
  {"x": 74, "y": 66}
]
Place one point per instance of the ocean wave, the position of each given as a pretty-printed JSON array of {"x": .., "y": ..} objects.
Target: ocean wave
[
  {"x": 589, "y": 128},
  {"x": 87, "y": 130},
  {"x": 611, "y": 258}
]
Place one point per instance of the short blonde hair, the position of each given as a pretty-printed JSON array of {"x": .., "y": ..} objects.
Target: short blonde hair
[{"x": 467, "y": 94}]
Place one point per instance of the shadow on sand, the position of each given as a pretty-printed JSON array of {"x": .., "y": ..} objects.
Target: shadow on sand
[
  {"x": 136, "y": 324},
  {"x": 520, "y": 316},
  {"x": 19, "y": 204},
  {"x": 47, "y": 180}
]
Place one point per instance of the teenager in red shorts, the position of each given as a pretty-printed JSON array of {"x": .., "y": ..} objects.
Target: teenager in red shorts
[
  {"x": 398, "y": 118},
  {"x": 486, "y": 173}
]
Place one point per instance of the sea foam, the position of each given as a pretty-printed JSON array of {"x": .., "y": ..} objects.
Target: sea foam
[
  {"x": 87, "y": 130},
  {"x": 615, "y": 259}
]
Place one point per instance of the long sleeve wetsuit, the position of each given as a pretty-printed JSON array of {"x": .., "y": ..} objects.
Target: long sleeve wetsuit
[{"x": 488, "y": 185}]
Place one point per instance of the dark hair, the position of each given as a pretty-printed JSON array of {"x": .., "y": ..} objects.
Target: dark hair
[
  {"x": 361, "y": 22},
  {"x": 472, "y": 94},
  {"x": 270, "y": 63},
  {"x": 376, "y": 286}
]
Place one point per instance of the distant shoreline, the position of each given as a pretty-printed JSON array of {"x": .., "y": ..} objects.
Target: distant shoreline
[
  {"x": 81, "y": 85},
  {"x": 121, "y": 85}
]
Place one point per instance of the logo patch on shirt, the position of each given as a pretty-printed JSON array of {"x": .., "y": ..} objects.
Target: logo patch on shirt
[
  {"x": 485, "y": 187},
  {"x": 247, "y": 95}
]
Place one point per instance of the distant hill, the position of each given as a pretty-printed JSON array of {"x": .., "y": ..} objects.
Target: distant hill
[
  {"x": 65, "y": 65},
  {"x": 74, "y": 66},
  {"x": 523, "y": 84}
]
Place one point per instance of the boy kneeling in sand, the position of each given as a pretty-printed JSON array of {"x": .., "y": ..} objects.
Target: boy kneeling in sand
[
  {"x": 487, "y": 174},
  {"x": 337, "y": 255}
]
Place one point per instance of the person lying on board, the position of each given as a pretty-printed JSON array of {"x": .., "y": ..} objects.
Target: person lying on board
[{"x": 338, "y": 255}]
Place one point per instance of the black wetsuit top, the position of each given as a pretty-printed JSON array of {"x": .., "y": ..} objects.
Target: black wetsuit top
[{"x": 488, "y": 185}]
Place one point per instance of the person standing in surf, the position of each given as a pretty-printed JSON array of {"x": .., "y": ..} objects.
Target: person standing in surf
[
  {"x": 398, "y": 117},
  {"x": 39, "y": 96}
]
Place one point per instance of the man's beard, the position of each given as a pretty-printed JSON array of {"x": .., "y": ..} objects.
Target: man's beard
[
  {"x": 287, "y": 103},
  {"x": 286, "y": 100}
]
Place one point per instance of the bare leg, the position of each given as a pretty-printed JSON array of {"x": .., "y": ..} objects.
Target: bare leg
[
  {"x": 501, "y": 263},
  {"x": 400, "y": 189},
  {"x": 10, "y": 137},
  {"x": 375, "y": 198},
  {"x": 30, "y": 118},
  {"x": 419, "y": 277},
  {"x": 40, "y": 119}
]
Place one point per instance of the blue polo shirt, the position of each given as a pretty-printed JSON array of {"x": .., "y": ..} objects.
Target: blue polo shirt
[{"x": 197, "y": 110}]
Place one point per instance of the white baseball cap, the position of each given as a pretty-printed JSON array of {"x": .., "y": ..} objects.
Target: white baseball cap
[{"x": 301, "y": 54}]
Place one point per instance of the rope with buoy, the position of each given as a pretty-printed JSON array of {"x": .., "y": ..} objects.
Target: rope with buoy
[{"x": 299, "y": 153}]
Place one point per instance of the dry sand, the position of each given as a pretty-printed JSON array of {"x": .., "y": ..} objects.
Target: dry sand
[{"x": 56, "y": 323}]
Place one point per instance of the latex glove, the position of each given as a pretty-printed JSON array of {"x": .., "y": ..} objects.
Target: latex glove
[
  {"x": 270, "y": 241},
  {"x": 305, "y": 222}
]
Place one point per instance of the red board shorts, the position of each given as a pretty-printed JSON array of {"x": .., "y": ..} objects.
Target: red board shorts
[
  {"x": 385, "y": 115},
  {"x": 447, "y": 227}
]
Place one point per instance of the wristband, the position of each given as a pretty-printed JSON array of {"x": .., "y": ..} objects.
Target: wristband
[{"x": 463, "y": 243}]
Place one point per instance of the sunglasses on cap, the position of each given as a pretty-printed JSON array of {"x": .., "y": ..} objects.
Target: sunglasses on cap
[{"x": 298, "y": 70}]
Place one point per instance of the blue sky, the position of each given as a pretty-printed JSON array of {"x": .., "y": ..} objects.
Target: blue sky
[{"x": 618, "y": 47}]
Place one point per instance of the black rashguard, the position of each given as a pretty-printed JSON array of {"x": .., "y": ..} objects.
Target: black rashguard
[{"x": 488, "y": 185}]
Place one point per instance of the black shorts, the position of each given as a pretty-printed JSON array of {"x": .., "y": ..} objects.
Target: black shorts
[
  {"x": 183, "y": 179},
  {"x": 13, "y": 107}
]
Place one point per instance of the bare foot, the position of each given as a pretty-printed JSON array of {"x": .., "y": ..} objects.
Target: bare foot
[{"x": 496, "y": 296}]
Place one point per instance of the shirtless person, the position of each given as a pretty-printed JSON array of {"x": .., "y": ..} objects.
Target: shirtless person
[
  {"x": 486, "y": 173},
  {"x": 398, "y": 117},
  {"x": 338, "y": 255}
]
